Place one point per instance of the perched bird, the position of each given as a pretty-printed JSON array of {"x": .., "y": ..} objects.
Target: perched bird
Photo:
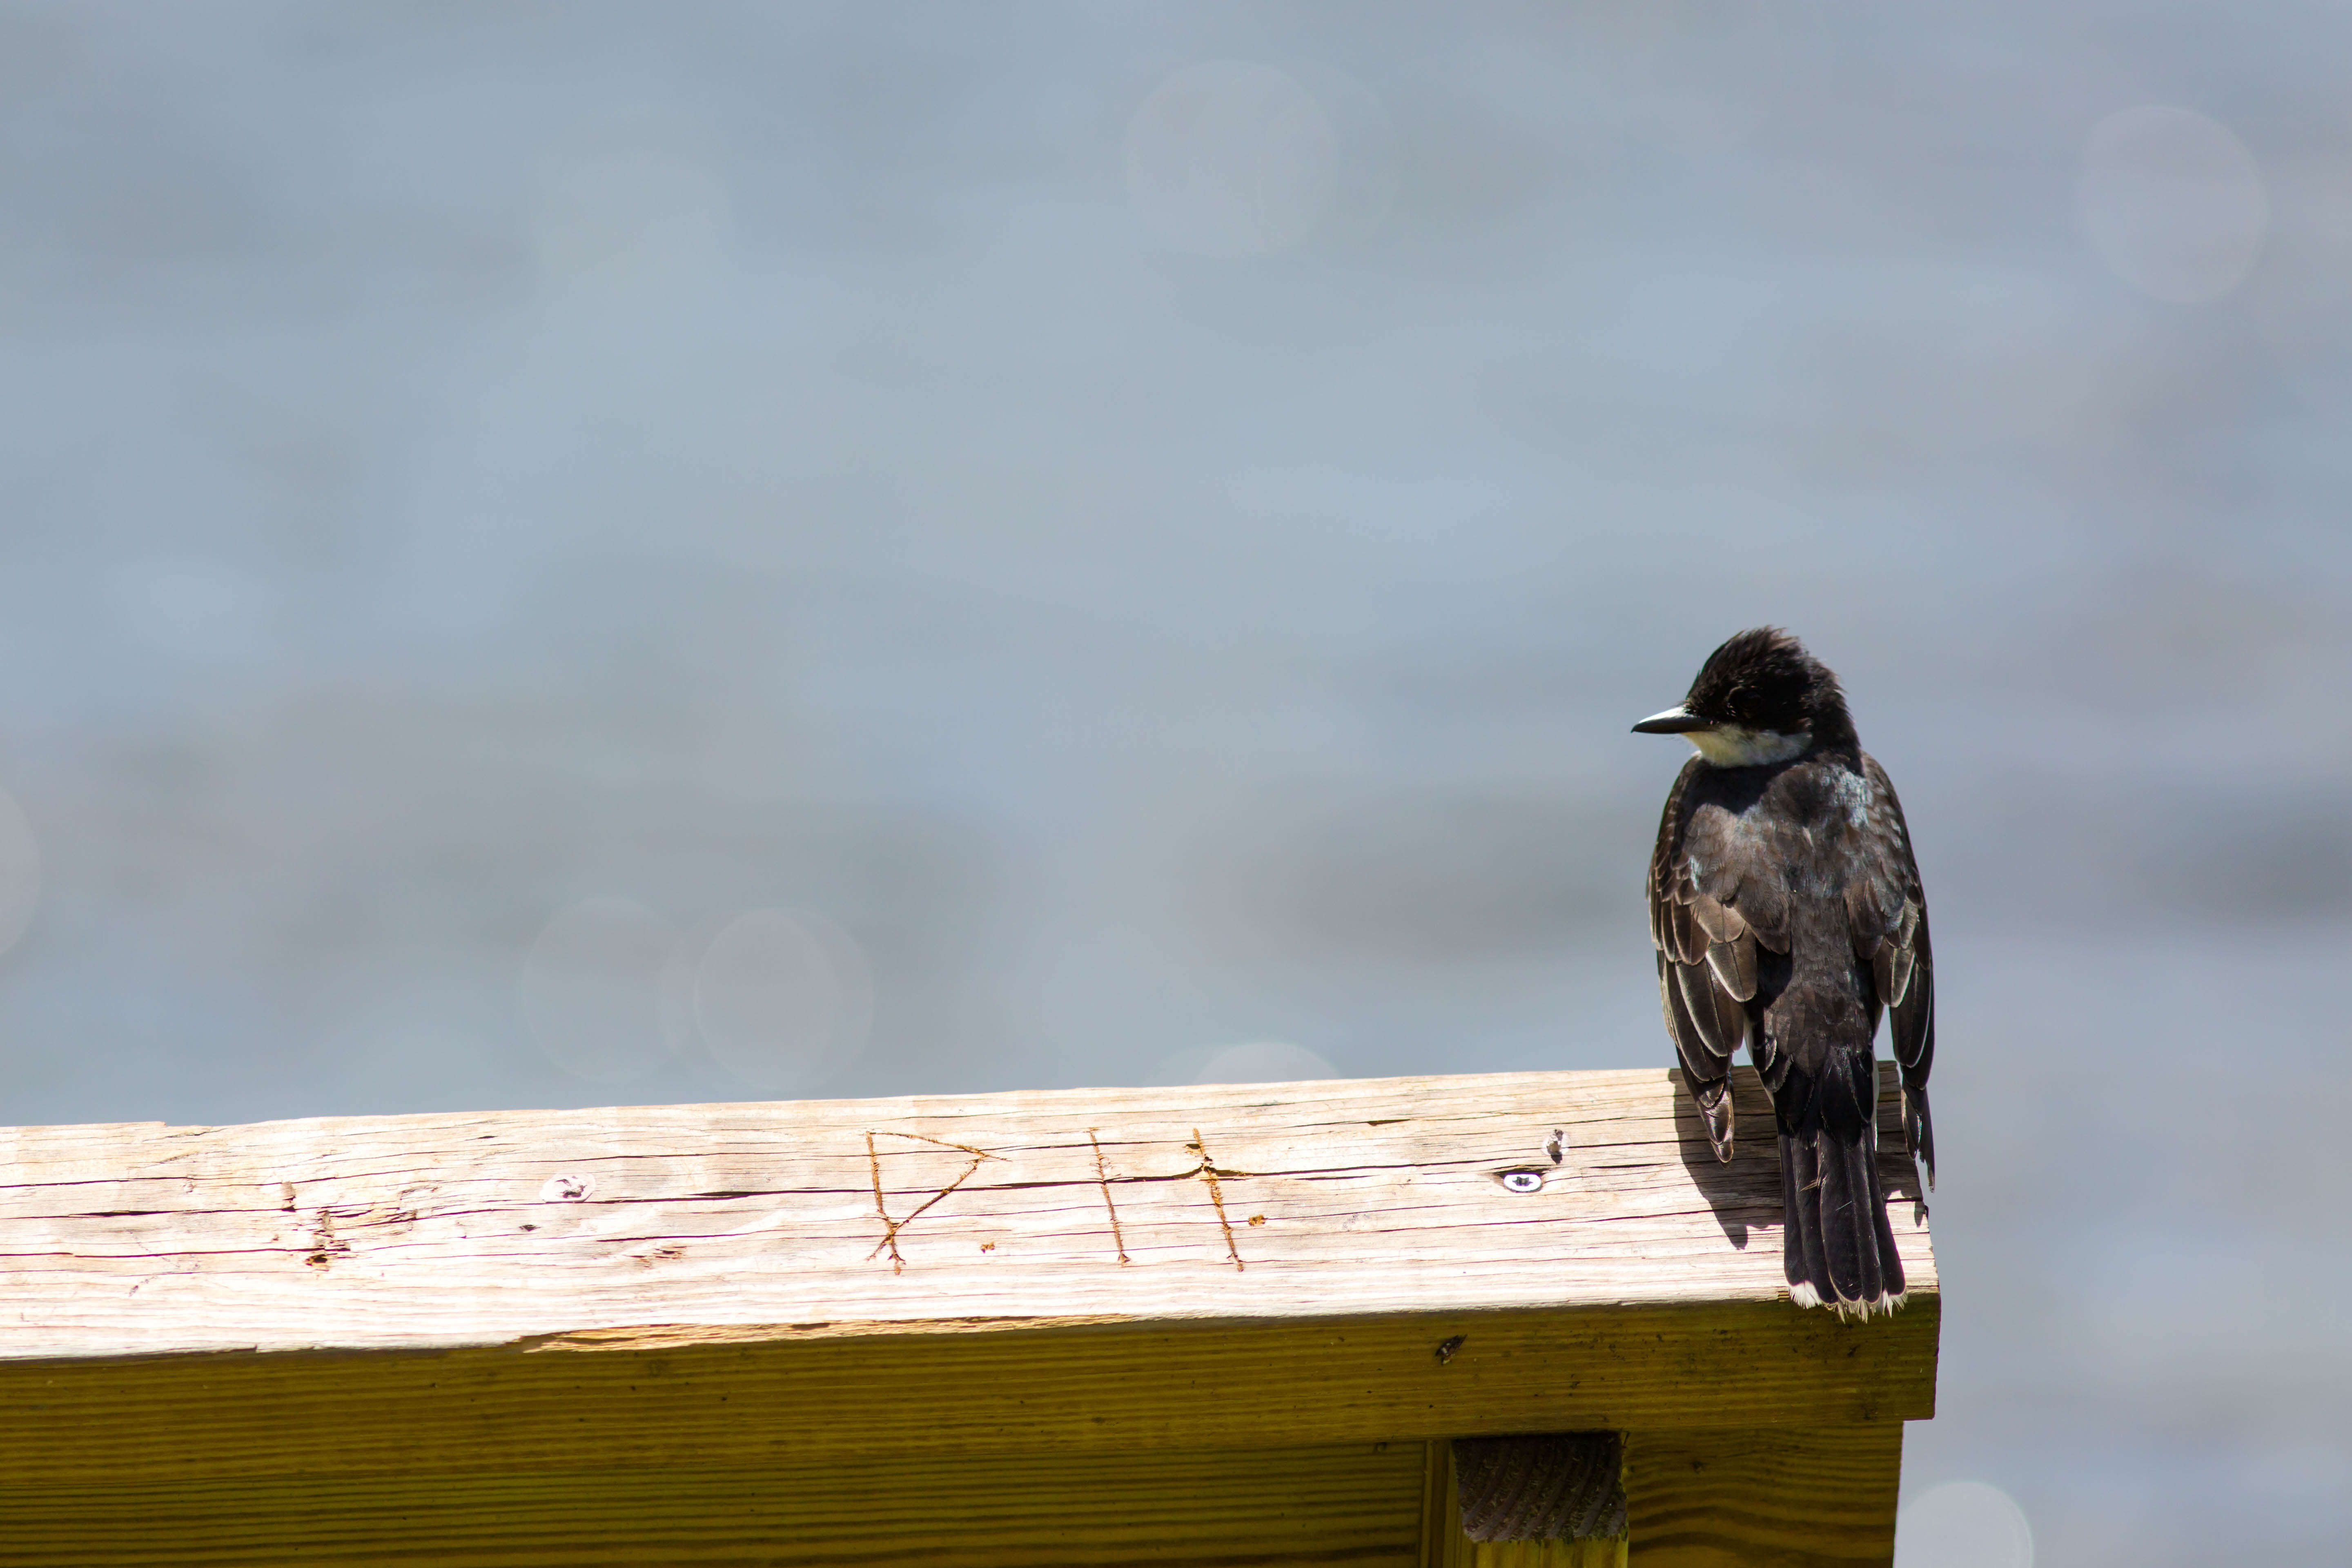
[{"x": 1786, "y": 907}]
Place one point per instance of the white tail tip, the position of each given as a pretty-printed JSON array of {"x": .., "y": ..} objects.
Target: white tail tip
[{"x": 1804, "y": 1295}]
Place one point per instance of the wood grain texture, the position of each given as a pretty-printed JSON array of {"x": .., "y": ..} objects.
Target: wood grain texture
[
  {"x": 1267, "y": 1202},
  {"x": 1206, "y": 1325},
  {"x": 706, "y": 1287},
  {"x": 802, "y": 1401},
  {"x": 1609, "y": 1554},
  {"x": 1788, "y": 1497},
  {"x": 1357, "y": 1506}
]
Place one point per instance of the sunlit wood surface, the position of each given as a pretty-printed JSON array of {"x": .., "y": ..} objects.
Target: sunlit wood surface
[{"x": 636, "y": 1334}]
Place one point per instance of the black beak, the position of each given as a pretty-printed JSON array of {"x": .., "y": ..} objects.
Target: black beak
[{"x": 1673, "y": 721}]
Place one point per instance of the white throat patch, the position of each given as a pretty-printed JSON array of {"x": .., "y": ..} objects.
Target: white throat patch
[{"x": 1732, "y": 746}]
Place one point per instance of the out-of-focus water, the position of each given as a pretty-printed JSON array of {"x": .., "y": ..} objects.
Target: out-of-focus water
[{"x": 555, "y": 556}]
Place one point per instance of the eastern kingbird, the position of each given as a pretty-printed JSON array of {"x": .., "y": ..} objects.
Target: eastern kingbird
[{"x": 1786, "y": 907}]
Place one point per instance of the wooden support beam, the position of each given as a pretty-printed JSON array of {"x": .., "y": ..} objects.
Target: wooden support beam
[
  {"x": 1358, "y": 1505},
  {"x": 318, "y": 1334},
  {"x": 1777, "y": 1497}
]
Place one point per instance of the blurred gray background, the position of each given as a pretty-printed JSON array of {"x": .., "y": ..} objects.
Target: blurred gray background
[{"x": 564, "y": 555}]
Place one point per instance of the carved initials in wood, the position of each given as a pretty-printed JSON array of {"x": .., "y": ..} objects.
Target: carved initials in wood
[
  {"x": 1102, "y": 1177},
  {"x": 1207, "y": 1172},
  {"x": 891, "y": 1227}
]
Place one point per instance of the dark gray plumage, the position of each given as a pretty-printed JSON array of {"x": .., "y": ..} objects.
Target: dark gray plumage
[{"x": 1786, "y": 907}]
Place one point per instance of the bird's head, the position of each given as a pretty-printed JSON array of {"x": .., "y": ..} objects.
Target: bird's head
[{"x": 1760, "y": 698}]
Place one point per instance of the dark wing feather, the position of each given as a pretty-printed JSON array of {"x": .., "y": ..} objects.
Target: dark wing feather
[
  {"x": 1681, "y": 942},
  {"x": 1707, "y": 945},
  {"x": 1722, "y": 1021},
  {"x": 1887, "y": 912},
  {"x": 1734, "y": 963}
]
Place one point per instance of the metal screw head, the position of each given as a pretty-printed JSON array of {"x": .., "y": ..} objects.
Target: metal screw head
[{"x": 1522, "y": 1181}]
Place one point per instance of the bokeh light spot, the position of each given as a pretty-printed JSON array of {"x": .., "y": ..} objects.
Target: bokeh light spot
[
  {"x": 596, "y": 211},
  {"x": 2173, "y": 201},
  {"x": 592, "y": 990},
  {"x": 1262, "y": 1061},
  {"x": 197, "y": 610},
  {"x": 1963, "y": 1524},
  {"x": 1231, "y": 158},
  {"x": 783, "y": 997}
]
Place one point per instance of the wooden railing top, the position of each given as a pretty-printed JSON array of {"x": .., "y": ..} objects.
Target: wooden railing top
[
  {"x": 1227, "y": 1324},
  {"x": 1522, "y": 1192}
]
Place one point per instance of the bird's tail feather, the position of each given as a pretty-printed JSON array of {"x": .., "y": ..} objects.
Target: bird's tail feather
[
  {"x": 1919, "y": 1127},
  {"x": 1839, "y": 1250}
]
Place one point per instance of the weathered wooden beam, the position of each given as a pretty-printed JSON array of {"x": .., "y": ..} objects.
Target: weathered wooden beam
[
  {"x": 1261, "y": 1204},
  {"x": 237, "y": 1318}
]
